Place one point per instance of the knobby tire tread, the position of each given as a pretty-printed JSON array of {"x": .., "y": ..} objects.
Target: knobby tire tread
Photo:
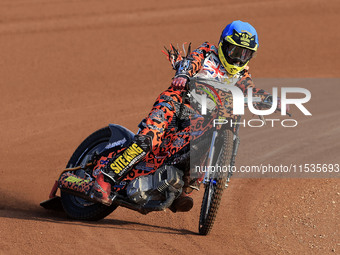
[{"x": 225, "y": 159}]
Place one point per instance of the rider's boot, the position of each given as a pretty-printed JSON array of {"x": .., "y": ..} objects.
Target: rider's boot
[
  {"x": 184, "y": 202},
  {"x": 101, "y": 190}
]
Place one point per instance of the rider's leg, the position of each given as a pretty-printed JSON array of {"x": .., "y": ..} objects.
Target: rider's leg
[
  {"x": 151, "y": 134},
  {"x": 148, "y": 139}
]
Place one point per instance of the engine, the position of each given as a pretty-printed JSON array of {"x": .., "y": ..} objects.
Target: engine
[{"x": 153, "y": 187}]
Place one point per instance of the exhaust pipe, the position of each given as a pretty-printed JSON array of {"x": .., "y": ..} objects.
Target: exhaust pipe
[
  {"x": 75, "y": 185},
  {"x": 83, "y": 188}
]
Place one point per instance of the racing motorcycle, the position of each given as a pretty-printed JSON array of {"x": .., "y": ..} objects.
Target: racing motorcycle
[{"x": 154, "y": 183}]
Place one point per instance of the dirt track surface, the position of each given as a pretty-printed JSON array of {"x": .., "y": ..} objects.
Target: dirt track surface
[{"x": 69, "y": 68}]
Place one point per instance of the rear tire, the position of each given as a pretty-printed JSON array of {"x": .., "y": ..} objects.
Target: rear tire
[
  {"x": 214, "y": 190},
  {"x": 78, "y": 208}
]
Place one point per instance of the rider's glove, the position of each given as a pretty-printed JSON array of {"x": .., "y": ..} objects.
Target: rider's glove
[
  {"x": 269, "y": 99},
  {"x": 182, "y": 74},
  {"x": 279, "y": 104},
  {"x": 179, "y": 82}
]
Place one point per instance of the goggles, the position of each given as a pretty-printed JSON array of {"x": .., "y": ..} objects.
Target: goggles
[{"x": 236, "y": 53}]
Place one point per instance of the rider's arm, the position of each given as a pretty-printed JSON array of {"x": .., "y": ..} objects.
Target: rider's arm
[
  {"x": 190, "y": 65},
  {"x": 246, "y": 82}
]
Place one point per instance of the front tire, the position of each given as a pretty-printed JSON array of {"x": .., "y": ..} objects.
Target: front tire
[
  {"x": 78, "y": 208},
  {"x": 214, "y": 189}
]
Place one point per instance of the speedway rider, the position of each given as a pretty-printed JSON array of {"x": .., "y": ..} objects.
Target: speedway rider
[{"x": 229, "y": 61}]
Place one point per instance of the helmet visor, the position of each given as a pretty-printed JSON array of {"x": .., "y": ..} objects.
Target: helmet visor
[{"x": 236, "y": 53}]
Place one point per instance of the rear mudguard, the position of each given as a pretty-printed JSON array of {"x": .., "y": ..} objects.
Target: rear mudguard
[{"x": 120, "y": 136}]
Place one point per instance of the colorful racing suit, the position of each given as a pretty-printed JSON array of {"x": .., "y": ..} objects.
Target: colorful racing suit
[{"x": 169, "y": 114}]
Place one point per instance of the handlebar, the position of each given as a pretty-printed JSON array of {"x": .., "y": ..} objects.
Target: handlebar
[{"x": 266, "y": 103}]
